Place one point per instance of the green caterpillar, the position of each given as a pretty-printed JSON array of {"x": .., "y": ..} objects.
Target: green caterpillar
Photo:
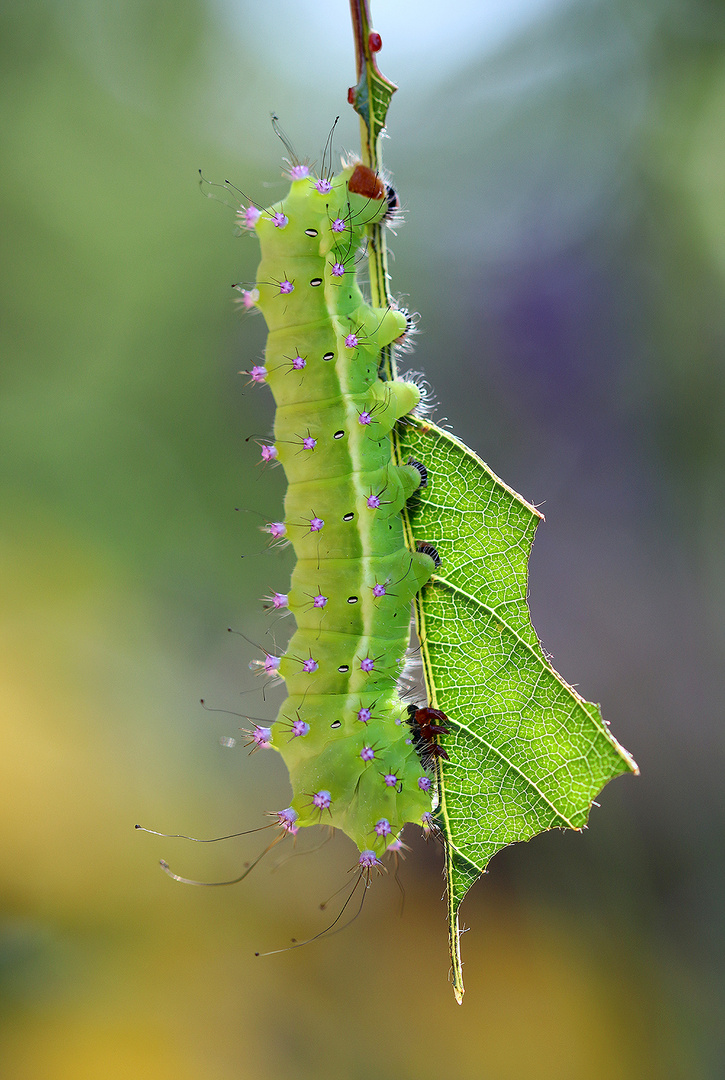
[{"x": 343, "y": 731}]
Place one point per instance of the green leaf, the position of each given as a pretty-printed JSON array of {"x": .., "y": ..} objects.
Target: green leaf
[{"x": 526, "y": 753}]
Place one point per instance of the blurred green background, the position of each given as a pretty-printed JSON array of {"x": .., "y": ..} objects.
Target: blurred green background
[{"x": 563, "y": 169}]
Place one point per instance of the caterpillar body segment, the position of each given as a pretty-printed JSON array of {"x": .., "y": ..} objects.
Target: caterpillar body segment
[{"x": 343, "y": 730}]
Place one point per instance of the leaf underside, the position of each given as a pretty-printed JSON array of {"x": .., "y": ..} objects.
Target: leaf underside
[{"x": 526, "y": 752}]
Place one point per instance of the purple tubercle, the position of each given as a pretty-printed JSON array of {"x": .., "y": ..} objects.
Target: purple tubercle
[
  {"x": 364, "y": 418},
  {"x": 322, "y": 800},
  {"x": 351, "y": 341},
  {"x": 271, "y": 664},
  {"x": 324, "y": 186},
  {"x": 299, "y": 172},
  {"x": 383, "y": 827},
  {"x": 367, "y": 753},
  {"x": 257, "y": 374},
  {"x": 373, "y": 502},
  {"x": 378, "y": 590},
  {"x": 262, "y": 736},
  {"x": 275, "y": 529},
  {"x": 338, "y": 225},
  {"x": 338, "y": 269},
  {"x": 249, "y": 297},
  {"x": 364, "y": 714},
  {"x": 368, "y": 859},
  {"x": 308, "y": 443},
  {"x": 269, "y": 453},
  {"x": 390, "y": 779},
  {"x": 286, "y": 819},
  {"x": 299, "y": 727},
  {"x": 396, "y": 845},
  {"x": 309, "y": 665},
  {"x": 251, "y": 216},
  {"x": 279, "y": 600},
  {"x": 424, "y": 783},
  {"x": 319, "y": 601},
  {"x": 286, "y": 287},
  {"x": 298, "y": 362},
  {"x": 367, "y": 664},
  {"x": 280, "y": 220},
  {"x": 316, "y": 524}
]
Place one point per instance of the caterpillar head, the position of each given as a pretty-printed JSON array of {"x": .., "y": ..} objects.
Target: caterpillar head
[{"x": 366, "y": 182}]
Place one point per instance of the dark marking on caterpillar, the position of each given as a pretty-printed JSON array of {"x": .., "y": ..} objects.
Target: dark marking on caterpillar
[
  {"x": 392, "y": 200},
  {"x": 428, "y": 549},
  {"x": 423, "y": 473}
]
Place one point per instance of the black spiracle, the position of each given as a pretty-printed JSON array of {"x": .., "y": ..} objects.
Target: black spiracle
[
  {"x": 428, "y": 549},
  {"x": 421, "y": 469}
]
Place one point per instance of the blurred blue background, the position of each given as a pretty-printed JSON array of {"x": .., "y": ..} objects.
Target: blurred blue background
[{"x": 562, "y": 165}]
